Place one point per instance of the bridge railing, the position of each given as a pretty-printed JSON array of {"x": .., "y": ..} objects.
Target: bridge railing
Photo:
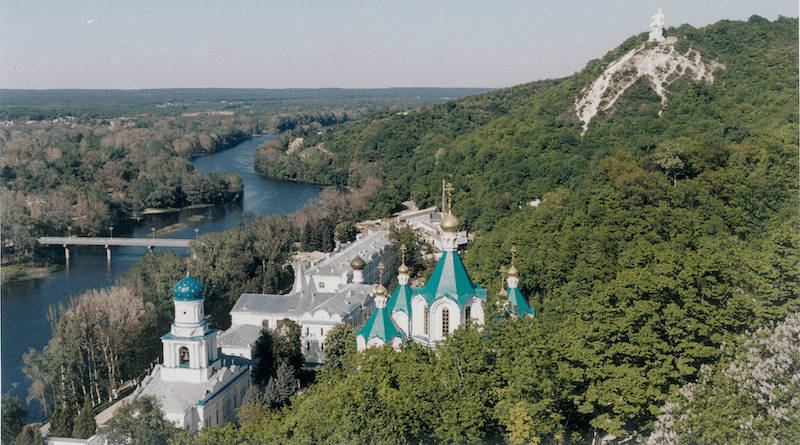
[{"x": 111, "y": 241}]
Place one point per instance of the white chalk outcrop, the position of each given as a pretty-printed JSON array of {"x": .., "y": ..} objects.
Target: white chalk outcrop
[{"x": 661, "y": 64}]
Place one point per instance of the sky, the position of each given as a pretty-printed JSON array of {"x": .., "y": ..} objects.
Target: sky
[{"x": 137, "y": 44}]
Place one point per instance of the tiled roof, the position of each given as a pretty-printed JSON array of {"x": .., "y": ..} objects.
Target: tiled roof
[
  {"x": 177, "y": 397},
  {"x": 380, "y": 325},
  {"x": 400, "y": 300},
  {"x": 239, "y": 336},
  {"x": 338, "y": 263},
  {"x": 299, "y": 303},
  {"x": 450, "y": 280},
  {"x": 518, "y": 302}
]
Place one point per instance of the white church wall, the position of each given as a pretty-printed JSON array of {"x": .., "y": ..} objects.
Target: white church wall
[{"x": 438, "y": 322}]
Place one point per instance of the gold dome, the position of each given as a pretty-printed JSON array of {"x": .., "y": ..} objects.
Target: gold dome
[
  {"x": 358, "y": 263},
  {"x": 403, "y": 269},
  {"x": 512, "y": 271},
  {"x": 380, "y": 291},
  {"x": 450, "y": 223}
]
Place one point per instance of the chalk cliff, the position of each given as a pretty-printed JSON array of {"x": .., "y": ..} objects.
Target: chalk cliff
[{"x": 661, "y": 64}]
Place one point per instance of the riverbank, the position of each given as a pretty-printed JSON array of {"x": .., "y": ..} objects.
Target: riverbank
[{"x": 12, "y": 273}]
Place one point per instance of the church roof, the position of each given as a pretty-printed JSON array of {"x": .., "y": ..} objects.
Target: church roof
[
  {"x": 178, "y": 397},
  {"x": 400, "y": 301},
  {"x": 188, "y": 289},
  {"x": 518, "y": 302},
  {"x": 239, "y": 336},
  {"x": 380, "y": 325},
  {"x": 450, "y": 280},
  {"x": 295, "y": 304}
]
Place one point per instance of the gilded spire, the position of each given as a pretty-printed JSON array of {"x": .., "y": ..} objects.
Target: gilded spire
[
  {"x": 449, "y": 223},
  {"x": 512, "y": 271},
  {"x": 380, "y": 291},
  {"x": 403, "y": 269}
]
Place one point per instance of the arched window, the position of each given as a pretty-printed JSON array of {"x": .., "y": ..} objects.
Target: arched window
[
  {"x": 445, "y": 322},
  {"x": 425, "y": 320},
  {"x": 183, "y": 355},
  {"x": 468, "y": 313}
]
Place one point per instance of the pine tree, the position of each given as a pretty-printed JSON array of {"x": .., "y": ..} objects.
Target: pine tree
[
  {"x": 62, "y": 422},
  {"x": 263, "y": 361},
  {"x": 85, "y": 426},
  {"x": 281, "y": 387},
  {"x": 29, "y": 436}
]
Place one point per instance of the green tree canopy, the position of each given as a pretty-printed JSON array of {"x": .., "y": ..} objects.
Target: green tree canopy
[{"x": 140, "y": 422}]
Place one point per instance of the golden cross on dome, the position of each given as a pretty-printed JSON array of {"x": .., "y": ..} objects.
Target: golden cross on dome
[
  {"x": 449, "y": 189},
  {"x": 513, "y": 254},
  {"x": 403, "y": 250},
  {"x": 381, "y": 267}
]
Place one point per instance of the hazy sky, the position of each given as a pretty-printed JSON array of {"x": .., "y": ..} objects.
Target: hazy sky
[{"x": 320, "y": 43}]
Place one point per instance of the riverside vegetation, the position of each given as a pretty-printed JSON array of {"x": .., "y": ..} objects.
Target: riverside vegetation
[
  {"x": 661, "y": 259},
  {"x": 70, "y": 164}
]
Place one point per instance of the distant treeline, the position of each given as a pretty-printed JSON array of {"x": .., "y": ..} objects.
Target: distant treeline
[{"x": 97, "y": 104}]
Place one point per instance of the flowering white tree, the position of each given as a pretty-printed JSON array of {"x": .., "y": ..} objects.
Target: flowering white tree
[{"x": 753, "y": 397}]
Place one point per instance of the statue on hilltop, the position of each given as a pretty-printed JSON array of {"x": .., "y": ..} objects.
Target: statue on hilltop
[{"x": 657, "y": 27}]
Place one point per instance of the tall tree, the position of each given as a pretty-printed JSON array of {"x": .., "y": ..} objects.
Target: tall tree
[
  {"x": 62, "y": 422},
  {"x": 30, "y": 435},
  {"x": 272, "y": 238},
  {"x": 264, "y": 365},
  {"x": 340, "y": 345},
  {"x": 85, "y": 425},
  {"x": 286, "y": 347}
]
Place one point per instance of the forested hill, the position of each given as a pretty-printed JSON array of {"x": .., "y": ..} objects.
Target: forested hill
[
  {"x": 663, "y": 234},
  {"x": 511, "y": 146}
]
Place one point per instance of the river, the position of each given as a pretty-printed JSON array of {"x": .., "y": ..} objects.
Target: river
[{"x": 24, "y": 304}]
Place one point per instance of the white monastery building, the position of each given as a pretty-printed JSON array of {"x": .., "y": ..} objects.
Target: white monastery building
[
  {"x": 325, "y": 293},
  {"x": 196, "y": 385}
]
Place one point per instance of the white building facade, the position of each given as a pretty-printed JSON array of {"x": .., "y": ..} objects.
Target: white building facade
[
  {"x": 325, "y": 293},
  {"x": 196, "y": 385}
]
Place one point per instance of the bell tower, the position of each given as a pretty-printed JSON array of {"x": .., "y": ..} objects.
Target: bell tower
[{"x": 190, "y": 348}]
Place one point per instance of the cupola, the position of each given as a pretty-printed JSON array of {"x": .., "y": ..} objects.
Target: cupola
[
  {"x": 358, "y": 265},
  {"x": 188, "y": 289}
]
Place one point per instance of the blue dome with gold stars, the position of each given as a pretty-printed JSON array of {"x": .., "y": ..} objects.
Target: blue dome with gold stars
[{"x": 188, "y": 289}]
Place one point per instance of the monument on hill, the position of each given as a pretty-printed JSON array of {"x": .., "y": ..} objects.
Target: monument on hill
[{"x": 657, "y": 27}]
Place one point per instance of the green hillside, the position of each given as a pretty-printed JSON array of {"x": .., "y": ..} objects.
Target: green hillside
[{"x": 664, "y": 234}]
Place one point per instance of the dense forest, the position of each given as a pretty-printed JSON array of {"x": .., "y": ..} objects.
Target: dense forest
[
  {"x": 76, "y": 161},
  {"x": 662, "y": 240},
  {"x": 660, "y": 251}
]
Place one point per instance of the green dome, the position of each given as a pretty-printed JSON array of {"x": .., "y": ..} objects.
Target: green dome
[{"x": 188, "y": 289}]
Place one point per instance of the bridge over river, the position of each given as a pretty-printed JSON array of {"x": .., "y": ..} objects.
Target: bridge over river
[{"x": 107, "y": 242}]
